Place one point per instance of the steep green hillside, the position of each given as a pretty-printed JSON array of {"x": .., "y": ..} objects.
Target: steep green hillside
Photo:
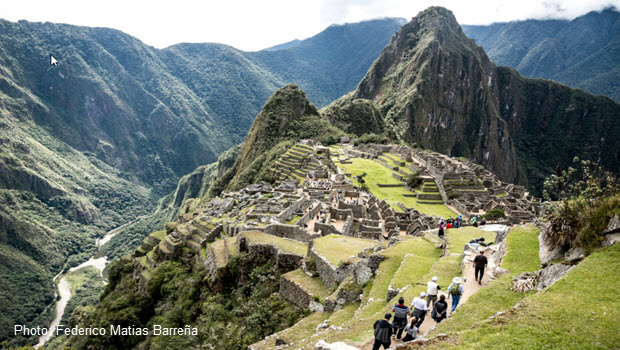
[{"x": 582, "y": 53}]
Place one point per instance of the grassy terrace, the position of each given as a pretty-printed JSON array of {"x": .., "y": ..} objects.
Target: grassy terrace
[
  {"x": 313, "y": 285},
  {"x": 287, "y": 245},
  {"x": 412, "y": 269},
  {"x": 336, "y": 248},
  {"x": 521, "y": 256},
  {"x": 395, "y": 255},
  {"x": 379, "y": 174},
  {"x": 563, "y": 317},
  {"x": 458, "y": 237}
]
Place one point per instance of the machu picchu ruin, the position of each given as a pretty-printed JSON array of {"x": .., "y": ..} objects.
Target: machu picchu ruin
[{"x": 345, "y": 253}]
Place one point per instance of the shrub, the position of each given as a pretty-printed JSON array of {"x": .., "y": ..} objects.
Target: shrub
[
  {"x": 494, "y": 214},
  {"x": 414, "y": 180}
]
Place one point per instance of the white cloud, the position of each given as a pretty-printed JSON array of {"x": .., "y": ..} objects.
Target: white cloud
[{"x": 253, "y": 25}]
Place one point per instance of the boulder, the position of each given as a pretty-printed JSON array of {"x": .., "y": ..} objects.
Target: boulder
[
  {"x": 322, "y": 345},
  {"x": 322, "y": 326},
  {"x": 315, "y": 306},
  {"x": 613, "y": 226},
  {"x": 551, "y": 274},
  {"x": 374, "y": 261},
  {"x": 611, "y": 239},
  {"x": 546, "y": 252},
  {"x": 362, "y": 273},
  {"x": 575, "y": 254}
]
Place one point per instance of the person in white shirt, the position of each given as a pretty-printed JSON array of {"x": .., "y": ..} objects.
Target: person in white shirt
[
  {"x": 432, "y": 291},
  {"x": 419, "y": 308}
]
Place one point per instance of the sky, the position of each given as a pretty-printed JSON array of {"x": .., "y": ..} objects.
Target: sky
[{"x": 256, "y": 24}]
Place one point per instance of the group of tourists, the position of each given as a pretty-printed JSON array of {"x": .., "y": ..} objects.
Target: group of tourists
[{"x": 429, "y": 300}]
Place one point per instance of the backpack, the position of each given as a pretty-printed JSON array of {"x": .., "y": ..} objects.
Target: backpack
[{"x": 455, "y": 289}]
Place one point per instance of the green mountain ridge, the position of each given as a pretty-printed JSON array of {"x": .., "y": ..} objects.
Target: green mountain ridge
[{"x": 582, "y": 53}]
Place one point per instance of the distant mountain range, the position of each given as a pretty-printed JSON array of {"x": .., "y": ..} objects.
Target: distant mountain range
[{"x": 583, "y": 53}]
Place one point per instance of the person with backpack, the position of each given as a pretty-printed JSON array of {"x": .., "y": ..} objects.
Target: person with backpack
[
  {"x": 400, "y": 317},
  {"x": 456, "y": 290},
  {"x": 440, "y": 310},
  {"x": 474, "y": 221},
  {"x": 419, "y": 308},
  {"x": 480, "y": 262},
  {"x": 383, "y": 333},
  {"x": 411, "y": 330},
  {"x": 431, "y": 291}
]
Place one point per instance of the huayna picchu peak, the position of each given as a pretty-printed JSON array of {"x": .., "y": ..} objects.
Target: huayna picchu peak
[{"x": 442, "y": 202}]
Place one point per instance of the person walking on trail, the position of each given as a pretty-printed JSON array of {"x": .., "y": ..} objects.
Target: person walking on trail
[
  {"x": 456, "y": 290},
  {"x": 480, "y": 262},
  {"x": 383, "y": 333},
  {"x": 400, "y": 317},
  {"x": 440, "y": 233},
  {"x": 431, "y": 291},
  {"x": 440, "y": 310},
  {"x": 411, "y": 330},
  {"x": 419, "y": 308}
]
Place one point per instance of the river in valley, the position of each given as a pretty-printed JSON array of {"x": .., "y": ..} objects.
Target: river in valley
[{"x": 64, "y": 287}]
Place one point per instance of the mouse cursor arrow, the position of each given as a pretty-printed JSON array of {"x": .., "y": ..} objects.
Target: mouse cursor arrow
[{"x": 53, "y": 61}]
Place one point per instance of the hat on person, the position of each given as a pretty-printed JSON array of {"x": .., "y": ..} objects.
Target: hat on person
[
  {"x": 422, "y": 295},
  {"x": 388, "y": 316},
  {"x": 456, "y": 280},
  {"x": 435, "y": 278}
]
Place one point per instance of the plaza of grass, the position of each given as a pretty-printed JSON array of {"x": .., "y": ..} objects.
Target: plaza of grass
[
  {"x": 409, "y": 264},
  {"x": 377, "y": 173}
]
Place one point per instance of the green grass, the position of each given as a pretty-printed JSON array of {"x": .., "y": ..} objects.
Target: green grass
[
  {"x": 336, "y": 248},
  {"x": 231, "y": 245},
  {"x": 412, "y": 269},
  {"x": 287, "y": 245},
  {"x": 159, "y": 235},
  {"x": 293, "y": 220},
  {"x": 395, "y": 255},
  {"x": 312, "y": 285},
  {"x": 302, "y": 329},
  {"x": 564, "y": 317},
  {"x": 377, "y": 173},
  {"x": 458, "y": 237},
  {"x": 521, "y": 256},
  {"x": 503, "y": 194}
]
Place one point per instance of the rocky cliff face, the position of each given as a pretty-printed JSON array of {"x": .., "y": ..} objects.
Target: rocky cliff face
[{"x": 436, "y": 87}]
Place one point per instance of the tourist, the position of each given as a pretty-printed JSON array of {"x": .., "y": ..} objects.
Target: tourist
[
  {"x": 383, "y": 333},
  {"x": 474, "y": 221},
  {"x": 411, "y": 330},
  {"x": 440, "y": 233},
  {"x": 419, "y": 308},
  {"x": 431, "y": 291},
  {"x": 440, "y": 310},
  {"x": 459, "y": 221},
  {"x": 478, "y": 242},
  {"x": 456, "y": 290},
  {"x": 400, "y": 317},
  {"x": 480, "y": 262}
]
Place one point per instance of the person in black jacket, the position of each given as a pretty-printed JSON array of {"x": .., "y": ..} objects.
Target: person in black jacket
[
  {"x": 383, "y": 333},
  {"x": 441, "y": 309}
]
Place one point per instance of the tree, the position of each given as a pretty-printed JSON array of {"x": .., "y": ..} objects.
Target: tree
[
  {"x": 494, "y": 214},
  {"x": 414, "y": 180},
  {"x": 362, "y": 182}
]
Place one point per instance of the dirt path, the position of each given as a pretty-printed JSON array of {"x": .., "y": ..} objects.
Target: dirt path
[{"x": 470, "y": 286}]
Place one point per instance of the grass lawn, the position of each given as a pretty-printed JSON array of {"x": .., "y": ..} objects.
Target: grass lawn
[
  {"x": 301, "y": 330},
  {"x": 287, "y": 245},
  {"x": 412, "y": 269},
  {"x": 336, "y": 248},
  {"x": 158, "y": 235},
  {"x": 395, "y": 255},
  {"x": 313, "y": 285},
  {"x": 564, "y": 317},
  {"x": 377, "y": 173},
  {"x": 458, "y": 237},
  {"x": 293, "y": 220},
  {"x": 521, "y": 256}
]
